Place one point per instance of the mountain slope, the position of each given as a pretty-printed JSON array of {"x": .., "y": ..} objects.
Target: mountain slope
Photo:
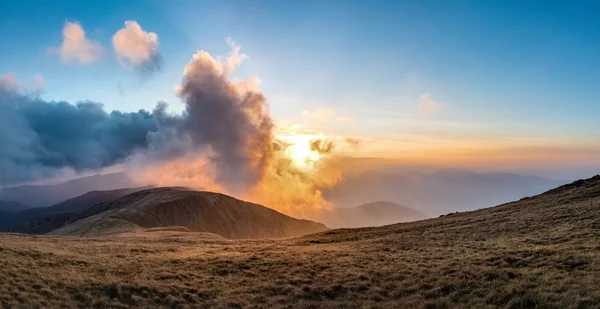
[
  {"x": 569, "y": 210},
  {"x": 10, "y": 206},
  {"x": 47, "y": 195},
  {"x": 196, "y": 210},
  {"x": 370, "y": 214},
  {"x": 7, "y": 210},
  {"x": 539, "y": 252},
  {"x": 15, "y": 221}
]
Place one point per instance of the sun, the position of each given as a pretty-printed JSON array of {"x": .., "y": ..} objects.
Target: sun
[{"x": 300, "y": 152}]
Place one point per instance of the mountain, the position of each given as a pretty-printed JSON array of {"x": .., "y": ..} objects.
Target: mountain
[
  {"x": 93, "y": 198},
  {"x": 538, "y": 252},
  {"x": 439, "y": 192},
  {"x": 370, "y": 214},
  {"x": 14, "y": 220},
  {"x": 9, "y": 206},
  {"x": 7, "y": 210},
  {"x": 197, "y": 211},
  {"x": 47, "y": 195}
]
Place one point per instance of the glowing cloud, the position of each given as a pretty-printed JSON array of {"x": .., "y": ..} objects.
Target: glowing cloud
[
  {"x": 325, "y": 115},
  {"x": 8, "y": 82},
  {"x": 76, "y": 47},
  {"x": 137, "y": 48},
  {"x": 224, "y": 141},
  {"x": 346, "y": 120},
  {"x": 320, "y": 114},
  {"x": 427, "y": 105}
]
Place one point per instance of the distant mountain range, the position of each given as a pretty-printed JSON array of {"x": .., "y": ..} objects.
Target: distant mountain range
[
  {"x": 10, "y": 206},
  {"x": 31, "y": 196},
  {"x": 440, "y": 192},
  {"x": 428, "y": 194},
  {"x": 370, "y": 214}
]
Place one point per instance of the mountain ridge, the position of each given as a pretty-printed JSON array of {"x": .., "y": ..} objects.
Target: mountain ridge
[
  {"x": 34, "y": 196},
  {"x": 199, "y": 211}
]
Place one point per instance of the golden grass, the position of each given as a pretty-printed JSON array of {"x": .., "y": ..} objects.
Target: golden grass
[{"x": 541, "y": 252}]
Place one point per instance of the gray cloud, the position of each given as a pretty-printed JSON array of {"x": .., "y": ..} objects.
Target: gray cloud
[
  {"x": 229, "y": 118},
  {"x": 137, "y": 48},
  {"x": 40, "y": 138}
]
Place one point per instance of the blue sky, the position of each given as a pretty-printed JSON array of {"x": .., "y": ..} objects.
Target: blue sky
[{"x": 506, "y": 74}]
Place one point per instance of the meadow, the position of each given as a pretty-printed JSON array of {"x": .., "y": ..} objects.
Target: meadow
[{"x": 539, "y": 252}]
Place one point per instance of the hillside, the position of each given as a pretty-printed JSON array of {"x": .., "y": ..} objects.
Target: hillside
[
  {"x": 47, "y": 195},
  {"x": 539, "y": 252},
  {"x": 9, "y": 206},
  {"x": 25, "y": 220},
  {"x": 7, "y": 209},
  {"x": 370, "y": 214},
  {"x": 196, "y": 210}
]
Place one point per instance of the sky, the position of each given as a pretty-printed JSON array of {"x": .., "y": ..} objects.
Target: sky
[{"x": 502, "y": 85}]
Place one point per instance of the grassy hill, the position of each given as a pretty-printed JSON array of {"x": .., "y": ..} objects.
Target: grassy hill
[
  {"x": 9, "y": 206},
  {"x": 196, "y": 210},
  {"x": 33, "y": 220},
  {"x": 539, "y": 252}
]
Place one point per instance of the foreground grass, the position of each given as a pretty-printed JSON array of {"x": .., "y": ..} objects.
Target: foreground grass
[{"x": 542, "y": 252}]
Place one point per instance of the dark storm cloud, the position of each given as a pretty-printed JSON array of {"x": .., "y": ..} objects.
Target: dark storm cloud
[{"x": 38, "y": 138}]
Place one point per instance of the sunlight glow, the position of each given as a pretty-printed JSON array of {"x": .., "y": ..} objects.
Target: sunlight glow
[{"x": 300, "y": 152}]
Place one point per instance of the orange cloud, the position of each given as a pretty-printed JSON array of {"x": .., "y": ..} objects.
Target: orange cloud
[
  {"x": 77, "y": 47},
  {"x": 427, "y": 105},
  {"x": 346, "y": 120},
  {"x": 136, "y": 47},
  {"x": 8, "y": 82}
]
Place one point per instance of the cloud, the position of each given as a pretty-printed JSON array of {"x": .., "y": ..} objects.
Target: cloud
[
  {"x": 354, "y": 143},
  {"x": 76, "y": 47},
  {"x": 137, "y": 48},
  {"x": 235, "y": 57},
  {"x": 346, "y": 120},
  {"x": 40, "y": 138},
  {"x": 8, "y": 82},
  {"x": 120, "y": 89},
  {"x": 427, "y": 105},
  {"x": 321, "y": 146},
  {"x": 38, "y": 82},
  {"x": 230, "y": 117},
  {"x": 324, "y": 115},
  {"x": 321, "y": 114},
  {"x": 225, "y": 122},
  {"x": 224, "y": 140}
]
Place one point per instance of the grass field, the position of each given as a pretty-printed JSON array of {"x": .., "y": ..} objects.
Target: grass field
[{"x": 541, "y": 252}]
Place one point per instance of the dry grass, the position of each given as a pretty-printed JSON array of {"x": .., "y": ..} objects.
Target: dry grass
[{"x": 541, "y": 252}]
